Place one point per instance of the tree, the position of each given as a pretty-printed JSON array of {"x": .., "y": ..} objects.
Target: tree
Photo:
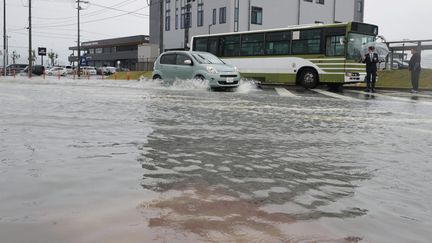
[
  {"x": 15, "y": 56},
  {"x": 53, "y": 57}
]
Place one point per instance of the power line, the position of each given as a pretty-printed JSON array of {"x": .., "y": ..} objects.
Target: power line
[
  {"x": 95, "y": 20},
  {"x": 92, "y": 13}
]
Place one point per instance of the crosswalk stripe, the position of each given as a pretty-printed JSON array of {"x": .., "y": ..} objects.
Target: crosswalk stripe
[
  {"x": 410, "y": 94},
  {"x": 284, "y": 92},
  {"x": 334, "y": 95},
  {"x": 391, "y": 97}
]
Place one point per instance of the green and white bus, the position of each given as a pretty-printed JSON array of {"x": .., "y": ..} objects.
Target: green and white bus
[{"x": 306, "y": 55}]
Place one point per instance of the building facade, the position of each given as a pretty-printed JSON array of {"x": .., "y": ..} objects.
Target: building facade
[
  {"x": 173, "y": 22},
  {"x": 123, "y": 52}
]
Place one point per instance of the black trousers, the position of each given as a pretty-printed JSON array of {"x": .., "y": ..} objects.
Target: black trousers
[
  {"x": 415, "y": 76},
  {"x": 371, "y": 79}
]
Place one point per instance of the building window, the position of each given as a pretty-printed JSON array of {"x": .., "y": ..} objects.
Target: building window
[
  {"x": 98, "y": 51},
  {"x": 308, "y": 1},
  {"x": 236, "y": 15},
  {"x": 214, "y": 16},
  {"x": 359, "y": 7},
  {"x": 200, "y": 14},
  {"x": 256, "y": 15},
  {"x": 167, "y": 20},
  {"x": 222, "y": 15},
  {"x": 186, "y": 16},
  {"x": 167, "y": 15},
  {"x": 320, "y": 1}
]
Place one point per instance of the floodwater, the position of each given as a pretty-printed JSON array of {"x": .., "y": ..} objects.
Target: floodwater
[{"x": 126, "y": 161}]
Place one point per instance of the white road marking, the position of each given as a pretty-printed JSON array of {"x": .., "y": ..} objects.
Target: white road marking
[
  {"x": 334, "y": 95},
  {"x": 285, "y": 93},
  {"x": 392, "y": 97},
  {"x": 407, "y": 94}
]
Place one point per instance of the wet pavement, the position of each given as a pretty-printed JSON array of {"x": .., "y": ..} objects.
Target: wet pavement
[{"x": 128, "y": 161}]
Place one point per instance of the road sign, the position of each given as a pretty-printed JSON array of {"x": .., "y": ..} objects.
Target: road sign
[
  {"x": 42, "y": 51},
  {"x": 83, "y": 61}
]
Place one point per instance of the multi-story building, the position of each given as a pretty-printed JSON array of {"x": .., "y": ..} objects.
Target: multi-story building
[
  {"x": 173, "y": 22},
  {"x": 124, "y": 52}
]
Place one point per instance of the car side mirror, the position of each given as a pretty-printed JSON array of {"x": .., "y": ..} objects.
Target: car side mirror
[{"x": 188, "y": 62}]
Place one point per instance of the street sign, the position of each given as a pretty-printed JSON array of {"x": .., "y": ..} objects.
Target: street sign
[
  {"x": 83, "y": 61},
  {"x": 42, "y": 51}
]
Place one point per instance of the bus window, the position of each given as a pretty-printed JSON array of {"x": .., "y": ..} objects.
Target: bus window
[
  {"x": 252, "y": 45},
  {"x": 306, "y": 42},
  {"x": 200, "y": 44},
  {"x": 213, "y": 46},
  {"x": 278, "y": 43},
  {"x": 335, "y": 45},
  {"x": 230, "y": 45}
]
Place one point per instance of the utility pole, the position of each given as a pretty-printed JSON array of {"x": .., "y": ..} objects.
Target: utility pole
[
  {"x": 30, "y": 68},
  {"x": 79, "y": 43},
  {"x": 79, "y": 33},
  {"x": 4, "y": 37}
]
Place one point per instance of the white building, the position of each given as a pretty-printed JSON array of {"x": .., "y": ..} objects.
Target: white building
[{"x": 220, "y": 16}]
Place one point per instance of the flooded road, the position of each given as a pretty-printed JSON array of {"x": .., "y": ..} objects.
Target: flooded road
[{"x": 105, "y": 161}]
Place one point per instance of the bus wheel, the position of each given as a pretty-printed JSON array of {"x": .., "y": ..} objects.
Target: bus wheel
[
  {"x": 157, "y": 77},
  {"x": 309, "y": 78}
]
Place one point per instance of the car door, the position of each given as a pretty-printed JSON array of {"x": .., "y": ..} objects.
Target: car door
[
  {"x": 184, "y": 66},
  {"x": 167, "y": 66}
]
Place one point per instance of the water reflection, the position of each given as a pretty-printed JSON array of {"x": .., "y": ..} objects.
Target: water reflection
[{"x": 246, "y": 171}]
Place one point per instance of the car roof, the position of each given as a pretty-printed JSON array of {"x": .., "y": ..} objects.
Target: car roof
[{"x": 186, "y": 52}]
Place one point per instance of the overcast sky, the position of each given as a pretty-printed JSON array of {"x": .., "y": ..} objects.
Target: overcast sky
[{"x": 54, "y": 21}]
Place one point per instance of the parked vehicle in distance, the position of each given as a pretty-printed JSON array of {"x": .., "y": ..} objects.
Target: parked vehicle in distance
[
  {"x": 88, "y": 70},
  {"x": 15, "y": 68},
  {"x": 69, "y": 69},
  {"x": 36, "y": 69},
  {"x": 174, "y": 65},
  {"x": 106, "y": 70},
  {"x": 109, "y": 70},
  {"x": 122, "y": 69},
  {"x": 56, "y": 71}
]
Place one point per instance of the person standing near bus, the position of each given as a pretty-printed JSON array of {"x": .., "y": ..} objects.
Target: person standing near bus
[
  {"x": 371, "y": 59},
  {"x": 415, "y": 67}
]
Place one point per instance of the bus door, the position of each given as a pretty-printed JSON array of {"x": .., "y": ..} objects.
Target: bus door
[{"x": 335, "y": 42}]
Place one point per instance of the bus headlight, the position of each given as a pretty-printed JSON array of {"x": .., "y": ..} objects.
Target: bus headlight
[
  {"x": 236, "y": 69},
  {"x": 211, "y": 70}
]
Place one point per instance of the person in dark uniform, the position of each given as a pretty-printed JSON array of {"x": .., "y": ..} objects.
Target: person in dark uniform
[
  {"x": 371, "y": 59},
  {"x": 415, "y": 68}
]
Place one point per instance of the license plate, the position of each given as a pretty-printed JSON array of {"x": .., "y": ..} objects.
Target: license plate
[{"x": 230, "y": 80}]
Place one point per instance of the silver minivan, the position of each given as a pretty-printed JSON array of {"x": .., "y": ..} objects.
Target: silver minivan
[{"x": 174, "y": 65}]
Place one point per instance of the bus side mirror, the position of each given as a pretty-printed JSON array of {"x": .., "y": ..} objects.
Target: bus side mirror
[{"x": 342, "y": 41}]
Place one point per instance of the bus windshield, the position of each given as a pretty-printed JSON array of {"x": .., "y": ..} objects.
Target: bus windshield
[
  {"x": 207, "y": 58},
  {"x": 355, "y": 43}
]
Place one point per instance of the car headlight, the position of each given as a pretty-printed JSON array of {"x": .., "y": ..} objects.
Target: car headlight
[
  {"x": 236, "y": 69},
  {"x": 211, "y": 70}
]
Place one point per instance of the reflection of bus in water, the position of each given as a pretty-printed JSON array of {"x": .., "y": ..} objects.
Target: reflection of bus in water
[{"x": 307, "y": 55}]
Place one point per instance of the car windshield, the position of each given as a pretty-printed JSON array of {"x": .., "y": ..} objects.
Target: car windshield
[
  {"x": 207, "y": 58},
  {"x": 355, "y": 43}
]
